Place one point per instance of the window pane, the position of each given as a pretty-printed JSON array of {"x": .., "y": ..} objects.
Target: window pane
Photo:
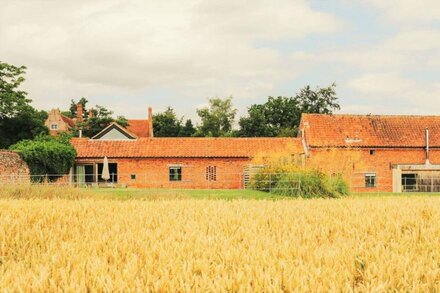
[
  {"x": 370, "y": 180},
  {"x": 175, "y": 173}
]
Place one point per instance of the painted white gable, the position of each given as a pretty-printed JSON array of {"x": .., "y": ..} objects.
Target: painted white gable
[{"x": 114, "y": 132}]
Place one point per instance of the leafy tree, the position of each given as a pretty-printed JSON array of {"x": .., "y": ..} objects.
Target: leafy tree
[
  {"x": 47, "y": 154},
  {"x": 188, "y": 129},
  {"x": 12, "y": 100},
  {"x": 256, "y": 124},
  {"x": 281, "y": 116},
  {"x": 321, "y": 100},
  {"x": 73, "y": 108},
  {"x": 102, "y": 117},
  {"x": 18, "y": 119},
  {"x": 166, "y": 124},
  {"x": 26, "y": 125},
  {"x": 217, "y": 118}
]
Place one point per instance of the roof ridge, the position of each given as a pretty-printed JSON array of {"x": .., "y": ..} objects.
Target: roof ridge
[{"x": 373, "y": 115}]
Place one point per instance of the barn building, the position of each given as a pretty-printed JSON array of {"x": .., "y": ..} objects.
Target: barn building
[
  {"x": 171, "y": 162},
  {"x": 376, "y": 153}
]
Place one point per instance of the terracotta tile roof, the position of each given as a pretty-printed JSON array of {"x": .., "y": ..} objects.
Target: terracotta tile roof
[
  {"x": 139, "y": 127},
  {"x": 68, "y": 120},
  {"x": 370, "y": 130},
  {"x": 183, "y": 147}
]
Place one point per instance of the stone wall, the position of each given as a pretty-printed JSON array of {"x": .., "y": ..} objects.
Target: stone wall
[{"x": 12, "y": 168}]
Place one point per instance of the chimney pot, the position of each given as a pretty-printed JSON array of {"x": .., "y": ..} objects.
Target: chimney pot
[
  {"x": 150, "y": 122},
  {"x": 79, "y": 112}
]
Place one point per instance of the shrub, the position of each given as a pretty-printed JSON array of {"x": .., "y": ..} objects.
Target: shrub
[
  {"x": 302, "y": 183},
  {"x": 47, "y": 154}
]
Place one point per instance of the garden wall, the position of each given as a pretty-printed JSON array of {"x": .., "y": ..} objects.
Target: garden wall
[{"x": 12, "y": 168}]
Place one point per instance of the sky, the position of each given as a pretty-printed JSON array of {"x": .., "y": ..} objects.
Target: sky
[{"x": 127, "y": 55}]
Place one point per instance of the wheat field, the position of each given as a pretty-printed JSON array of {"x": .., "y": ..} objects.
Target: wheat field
[{"x": 353, "y": 244}]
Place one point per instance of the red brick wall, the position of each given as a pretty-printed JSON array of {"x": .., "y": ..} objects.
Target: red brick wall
[
  {"x": 153, "y": 172},
  {"x": 12, "y": 168},
  {"x": 380, "y": 163}
]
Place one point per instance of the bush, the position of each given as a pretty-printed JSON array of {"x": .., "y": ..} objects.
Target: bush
[
  {"x": 47, "y": 154},
  {"x": 302, "y": 183}
]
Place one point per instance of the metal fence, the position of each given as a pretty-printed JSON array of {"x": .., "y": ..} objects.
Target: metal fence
[{"x": 269, "y": 182}]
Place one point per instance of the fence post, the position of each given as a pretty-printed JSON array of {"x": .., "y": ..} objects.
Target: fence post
[{"x": 270, "y": 182}]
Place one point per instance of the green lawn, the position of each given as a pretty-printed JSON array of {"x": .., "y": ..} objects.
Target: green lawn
[{"x": 228, "y": 194}]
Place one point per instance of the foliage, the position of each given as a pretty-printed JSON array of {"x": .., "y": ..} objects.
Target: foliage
[
  {"x": 18, "y": 119},
  {"x": 284, "y": 173},
  {"x": 310, "y": 183},
  {"x": 12, "y": 100},
  {"x": 281, "y": 116},
  {"x": 188, "y": 129},
  {"x": 73, "y": 108},
  {"x": 217, "y": 118},
  {"x": 47, "y": 154},
  {"x": 299, "y": 183},
  {"x": 26, "y": 125},
  {"x": 102, "y": 117},
  {"x": 166, "y": 124}
]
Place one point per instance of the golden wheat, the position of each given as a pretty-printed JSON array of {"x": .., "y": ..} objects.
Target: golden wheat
[{"x": 352, "y": 244}]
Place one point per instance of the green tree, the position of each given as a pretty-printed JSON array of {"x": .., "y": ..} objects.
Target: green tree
[
  {"x": 47, "y": 154},
  {"x": 321, "y": 100},
  {"x": 102, "y": 117},
  {"x": 188, "y": 129},
  {"x": 166, "y": 124},
  {"x": 281, "y": 116},
  {"x": 18, "y": 119},
  {"x": 73, "y": 108},
  {"x": 217, "y": 118}
]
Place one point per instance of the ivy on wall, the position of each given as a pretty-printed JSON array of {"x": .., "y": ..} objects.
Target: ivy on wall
[{"x": 47, "y": 154}]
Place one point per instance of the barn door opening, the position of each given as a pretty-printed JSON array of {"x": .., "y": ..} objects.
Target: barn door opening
[
  {"x": 113, "y": 170},
  {"x": 409, "y": 182}
]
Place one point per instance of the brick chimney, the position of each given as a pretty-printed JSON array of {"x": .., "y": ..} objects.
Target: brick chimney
[
  {"x": 150, "y": 122},
  {"x": 91, "y": 115},
  {"x": 79, "y": 112}
]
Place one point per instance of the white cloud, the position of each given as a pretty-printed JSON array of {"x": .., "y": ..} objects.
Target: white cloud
[
  {"x": 76, "y": 48},
  {"x": 408, "y": 11},
  {"x": 402, "y": 51},
  {"x": 394, "y": 93}
]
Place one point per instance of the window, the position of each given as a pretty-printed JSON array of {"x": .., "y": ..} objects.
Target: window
[
  {"x": 133, "y": 176},
  {"x": 54, "y": 126},
  {"x": 211, "y": 173},
  {"x": 372, "y": 152},
  {"x": 409, "y": 182},
  {"x": 175, "y": 173},
  {"x": 370, "y": 180}
]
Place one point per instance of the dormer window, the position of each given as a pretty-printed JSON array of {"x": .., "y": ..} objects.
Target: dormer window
[
  {"x": 349, "y": 140},
  {"x": 54, "y": 126}
]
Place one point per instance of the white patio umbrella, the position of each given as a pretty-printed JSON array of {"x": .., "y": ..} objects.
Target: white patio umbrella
[{"x": 105, "y": 171}]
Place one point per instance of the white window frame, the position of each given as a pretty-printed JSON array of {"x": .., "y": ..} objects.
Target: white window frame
[{"x": 370, "y": 175}]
